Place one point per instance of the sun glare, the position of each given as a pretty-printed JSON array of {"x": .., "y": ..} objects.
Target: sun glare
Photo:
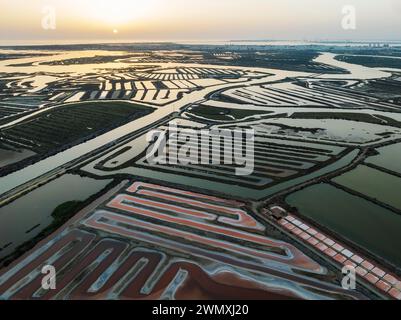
[{"x": 119, "y": 12}]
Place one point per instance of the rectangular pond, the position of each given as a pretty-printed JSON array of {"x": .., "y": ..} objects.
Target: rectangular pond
[
  {"x": 27, "y": 216},
  {"x": 361, "y": 221},
  {"x": 389, "y": 158},
  {"x": 373, "y": 183}
]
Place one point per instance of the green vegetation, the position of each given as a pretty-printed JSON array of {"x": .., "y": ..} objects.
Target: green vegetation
[
  {"x": 20, "y": 55},
  {"x": 361, "y": 117},
  {"x": 373, "y": 62},
  {"x": 64, "y": 212},
  {"x": 365, "y": 51},
  {"x": 382, "y": 88},
  {"x": 224, "y": 114},
  {"x": 284, "y": 59},
  {"x": 88, "y": 60},
  {"x": 61, "y": 215},
  {"x": 70, "y": 124}
]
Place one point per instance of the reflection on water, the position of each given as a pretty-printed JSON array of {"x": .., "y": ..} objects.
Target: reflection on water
[
  {"x": 33, "y": 64},
  {"x": 356, "y": 71},
  {"x": 389, "y": 158},
  {"x": 17, "y": 178},
  {"x": 374, "y": 184},
  {"x": 233, "y": 190},
  {"x": 8, "y": 156},
  {"x": 36, "y": 207},
  {"x": 357, "y": 219}
]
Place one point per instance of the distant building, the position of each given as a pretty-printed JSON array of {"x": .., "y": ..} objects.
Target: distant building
[{"x": 277, "y": 212}]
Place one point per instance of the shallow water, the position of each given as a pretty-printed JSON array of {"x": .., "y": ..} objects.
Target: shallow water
[
  {"x": 374, "y": 184},
  {"x": 356, "y": 71},
  {"x": 224, "y": 188},
  {"x": 36, "y": 207},
  {"x": 8, "y": 157},
  {"x": 357, "y": 219},
  {"x": 389, "y": 158},
  {"x": 15, "y": 179}
]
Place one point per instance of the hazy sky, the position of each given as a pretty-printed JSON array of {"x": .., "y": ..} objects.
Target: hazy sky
[{"x": 166, "y": 20}]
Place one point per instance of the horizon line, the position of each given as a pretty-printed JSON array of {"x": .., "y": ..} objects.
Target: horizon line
[{"x": 8, "y": 43}]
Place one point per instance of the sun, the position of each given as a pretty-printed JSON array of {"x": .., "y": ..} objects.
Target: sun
[{"x": 119, "y": 12}]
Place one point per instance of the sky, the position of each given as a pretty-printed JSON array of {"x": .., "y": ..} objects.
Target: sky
[{"x": 172, "y": 20}]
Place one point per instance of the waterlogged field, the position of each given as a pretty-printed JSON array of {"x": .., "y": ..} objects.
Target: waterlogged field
[
  {"x": 26, "y": 217},
  {"x": 389, "y": 158},
  {"x": 355, "y": 218},
  {"x": 213, "y": 246},
  {"x": 276, "y": 164},
  {"x": 325, "y": 139},
  {"x": 57, "y": 128},
  {"x": 374, "y": 184}
]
